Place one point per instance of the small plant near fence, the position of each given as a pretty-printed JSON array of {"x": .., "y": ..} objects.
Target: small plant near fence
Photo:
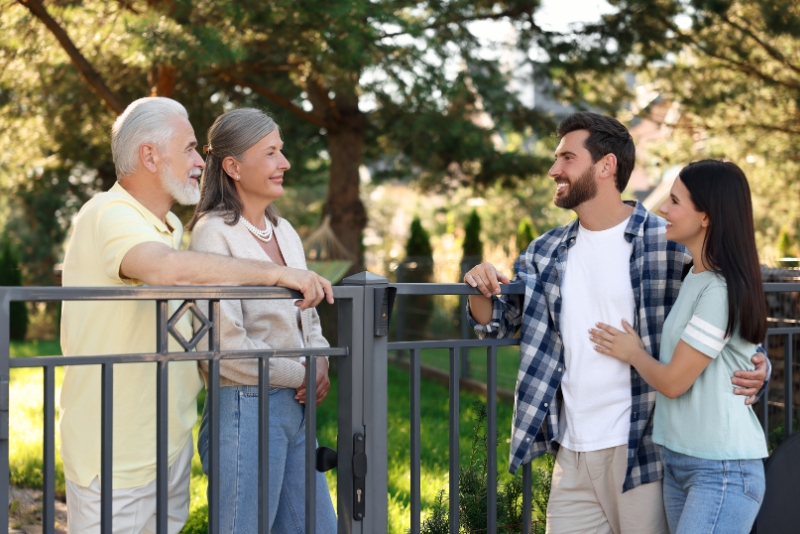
[{"x": 473, "y": 482}]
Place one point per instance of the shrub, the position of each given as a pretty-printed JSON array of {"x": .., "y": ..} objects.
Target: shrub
[
  {"x": 10, "y": 275},
  {"x": 472, "y": 247},
  {"x": 785, "y": 248},
  {"x": 526, "y": 233},
  {"x": 417, "y": 267},
  {"x": 473, "y": 489}
]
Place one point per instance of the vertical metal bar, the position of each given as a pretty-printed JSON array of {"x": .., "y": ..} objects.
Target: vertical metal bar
[
  {"x": 765, "y": 399},
  {"x": 311, "y": 442},
  {"x": 162, "y": 418},
  {"x": 464, "y": 328},
  {"x": 106, "y": 447},
  {"x": 263, "y": 445},
  {"x": 454, "y": 422},
  {"x": 162, "y": 446},
  {"x": 491, "y": 439},
  {"x": 527, "y": 500},
  {"x": 49, "y": 451},
  {"x": 415, "y": 441},
  {"x": 788, "y": 382},
  {"x": 213, "y": 409},
  {"x": 5, "y": 346}
]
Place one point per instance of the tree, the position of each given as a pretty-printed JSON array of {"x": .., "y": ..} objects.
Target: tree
[
  {"x": 417, "y": 268},
  {"x": 526, "y": 233},
  {"x": 10, "y": 275},
  {"x": 732, "y": 69},
  {"x": 473, "y": 246},
  {"x": 402, "y": 86}
]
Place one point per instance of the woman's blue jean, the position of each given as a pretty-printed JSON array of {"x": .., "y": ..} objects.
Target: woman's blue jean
[
  {"x": 711, "y": 496},
  {"x": 239, "y": 463}
]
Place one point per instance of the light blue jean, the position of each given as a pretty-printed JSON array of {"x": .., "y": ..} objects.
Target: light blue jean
[
  {"x": 711, "y": 496},
  {"x": 239, "y": 463}
]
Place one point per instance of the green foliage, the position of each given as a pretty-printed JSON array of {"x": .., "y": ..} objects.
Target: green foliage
[
  {"x": 197, "y": 523},
  {"x": 10, "y": 275},
  {"x": 437, "y": 522},
  {"x": 472, "y": 247},
  {"x": 473, "y": 481},
  {"x": 419, "y": 241},
  {"x": 350, "y": 83},
  {"x": 725, "y": 74},
  {"x": 417, "y": 267},
  {"x": 785, "y": 246},
  {"x": 526, "y": 233}
]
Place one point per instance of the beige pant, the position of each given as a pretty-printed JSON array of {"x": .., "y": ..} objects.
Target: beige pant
[
  {"x": 586, "y": 496},
  {"x": 133, "y": 509}
]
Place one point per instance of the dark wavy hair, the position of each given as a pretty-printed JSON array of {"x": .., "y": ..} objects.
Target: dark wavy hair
[
  {"x": 230, "y": 135},
  {"x": 720, "y": 190},
  {"x": 606, "y": 136}
]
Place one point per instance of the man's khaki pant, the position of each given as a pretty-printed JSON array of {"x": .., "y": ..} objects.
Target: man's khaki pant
[{"x": 586, "y": 496}]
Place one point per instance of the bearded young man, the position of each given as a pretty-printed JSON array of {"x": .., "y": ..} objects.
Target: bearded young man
[
  {"x": 612, "y": 263},
  {"x": 127, "y": 237}
]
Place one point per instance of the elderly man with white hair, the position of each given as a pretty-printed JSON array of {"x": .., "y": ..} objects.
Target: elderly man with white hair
[{"x": 128, "y": 236}]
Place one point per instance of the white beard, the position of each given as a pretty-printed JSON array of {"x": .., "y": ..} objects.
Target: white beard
[{"x": 185, "y": 193}]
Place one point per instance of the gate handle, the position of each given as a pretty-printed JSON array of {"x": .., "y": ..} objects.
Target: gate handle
[{"x": 327, "y": 459}]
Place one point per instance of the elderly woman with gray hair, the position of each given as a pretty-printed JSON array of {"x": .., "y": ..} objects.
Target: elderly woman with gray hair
[{"x": 236, "y": 217}]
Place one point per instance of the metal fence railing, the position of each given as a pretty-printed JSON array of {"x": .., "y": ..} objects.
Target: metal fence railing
[{"x": 364, "y": 306}]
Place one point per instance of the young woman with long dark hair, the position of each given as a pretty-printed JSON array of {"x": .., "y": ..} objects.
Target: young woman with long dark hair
[{"x": 711, "y": 443}]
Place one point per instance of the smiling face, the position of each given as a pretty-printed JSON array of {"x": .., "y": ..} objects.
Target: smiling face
[
  {"x": 182, "y": 164},
  {"x": 685, "y": 224},
  {"x": 573, "y": 171},
  {"x": 260, "y": 171}
]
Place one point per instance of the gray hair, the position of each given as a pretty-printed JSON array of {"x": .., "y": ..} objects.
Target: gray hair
[
  {"x": 230, "y": 136},
  {"x": 146, "y": 120}
]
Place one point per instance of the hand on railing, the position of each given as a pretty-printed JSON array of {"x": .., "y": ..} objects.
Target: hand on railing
[
  {"x": 313, "y": 287},
  {"x": 486, "y": 278}
]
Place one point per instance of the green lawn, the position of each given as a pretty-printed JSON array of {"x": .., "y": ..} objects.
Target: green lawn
[
  {"x": 26, "y": 425},
  {"x": 507, "y": 364}
]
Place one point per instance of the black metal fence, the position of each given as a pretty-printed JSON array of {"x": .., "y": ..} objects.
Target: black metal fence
[{"x": 364, "y": 304}]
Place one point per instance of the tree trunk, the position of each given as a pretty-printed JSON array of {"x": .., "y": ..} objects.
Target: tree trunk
[
  {"x": 162, "y": 80},
  {"x": 343, "y": 203}
]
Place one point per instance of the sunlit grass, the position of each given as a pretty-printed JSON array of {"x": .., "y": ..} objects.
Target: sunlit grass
[{"x": 26, "y": 420}]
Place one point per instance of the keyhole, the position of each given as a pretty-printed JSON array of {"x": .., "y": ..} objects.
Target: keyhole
[{"x": 358, "y": 492}]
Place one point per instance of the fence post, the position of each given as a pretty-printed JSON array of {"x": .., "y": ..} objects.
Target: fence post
[
  {"x": 372, "y": 401},
  {"x": 5, "y": 355}
]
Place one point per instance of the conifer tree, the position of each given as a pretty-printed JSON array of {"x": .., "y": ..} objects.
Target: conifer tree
[{"x": 10, "y": 275}]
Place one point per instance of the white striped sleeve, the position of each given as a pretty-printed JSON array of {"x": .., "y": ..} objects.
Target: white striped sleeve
[{"x": 708, "y": 338}]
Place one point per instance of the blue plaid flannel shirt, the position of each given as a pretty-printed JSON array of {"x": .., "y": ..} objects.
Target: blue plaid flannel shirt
[{"x": 656, "y": 266}]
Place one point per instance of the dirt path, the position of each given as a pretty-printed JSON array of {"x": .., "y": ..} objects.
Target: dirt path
[{"x": 25, "y": 511}]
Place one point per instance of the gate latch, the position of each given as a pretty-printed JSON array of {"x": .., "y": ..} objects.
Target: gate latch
[{"x": 359, "y": 477}]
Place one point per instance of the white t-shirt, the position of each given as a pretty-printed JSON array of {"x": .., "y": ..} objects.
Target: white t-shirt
[{"x": 596, "y": 410}]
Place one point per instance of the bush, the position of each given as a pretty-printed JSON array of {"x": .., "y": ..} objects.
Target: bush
[
  {"x": 473, "y": 490},
  {"x": 472, "y": 247},
  {"x": 526, "y": 233},
  {"x": 786, "y": 248},
  {"x": 10, "y": 275},
  {"x": 417, "y": 268}
]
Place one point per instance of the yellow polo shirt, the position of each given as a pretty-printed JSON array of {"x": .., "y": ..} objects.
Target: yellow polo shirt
[{"x": 106, "y": 228}]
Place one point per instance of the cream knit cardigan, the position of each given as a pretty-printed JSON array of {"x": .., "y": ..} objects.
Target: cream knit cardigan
[{"x": 258, "y": 324}]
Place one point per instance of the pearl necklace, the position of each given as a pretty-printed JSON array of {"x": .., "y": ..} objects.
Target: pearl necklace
[{"x": 264, "y": 235}]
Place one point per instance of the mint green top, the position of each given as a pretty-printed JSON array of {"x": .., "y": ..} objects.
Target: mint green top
[{"x": 708, "y": 421}]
